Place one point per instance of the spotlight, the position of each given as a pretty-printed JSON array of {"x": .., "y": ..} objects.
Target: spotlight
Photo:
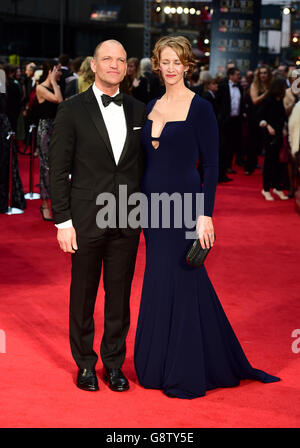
[
  {"x": 158, "y": 9},
  {"x": 295, "y": 39},
  {"x": 167, "y": 9},
  {"x": 173, "y": 10},
  {"x": 198, "y": 12},
  {"x": 286, "y": 11},
  {"x": 207, "y": 53},
  {"x": 206, "y": 41},
  {"x": 179, "y": 10},
  {"x": 192, "y": 11},
  {"x": 186, "y": 10}
]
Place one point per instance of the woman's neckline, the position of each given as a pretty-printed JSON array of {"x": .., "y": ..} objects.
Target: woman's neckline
[{"x": 170, "y": 121}]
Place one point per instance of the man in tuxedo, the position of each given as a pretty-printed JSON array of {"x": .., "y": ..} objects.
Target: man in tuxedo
[
  {"x": 96, "y": 139},
  {"x": 229, "y": 106},
  {"x": 66, "y": 72},
  {"x": 29, "y": 81}
]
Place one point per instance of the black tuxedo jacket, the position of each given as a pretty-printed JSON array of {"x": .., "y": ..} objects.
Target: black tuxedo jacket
[
  {"x": 224, "y": 102},
  {"x": 80, "y": 146}
]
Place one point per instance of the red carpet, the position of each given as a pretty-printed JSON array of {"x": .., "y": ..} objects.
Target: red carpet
[{"x": 254, "y": 267}]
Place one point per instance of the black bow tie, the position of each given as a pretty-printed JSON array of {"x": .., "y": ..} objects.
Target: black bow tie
[
  {"x": 106, "y": 99},
  {"x": 235, "y": 85}
]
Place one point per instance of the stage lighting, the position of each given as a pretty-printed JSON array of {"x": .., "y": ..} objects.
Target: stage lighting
[
  {"x": 179, "y": 10},
  {"x": 167, "y": 9},
  {"x": 286, "y": 11}
]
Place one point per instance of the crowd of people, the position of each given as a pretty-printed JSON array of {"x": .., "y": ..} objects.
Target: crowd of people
[{"x": 257, "y": 113}]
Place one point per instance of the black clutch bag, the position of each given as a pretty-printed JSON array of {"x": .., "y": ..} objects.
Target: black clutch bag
[{"x": 196, "y": 254}]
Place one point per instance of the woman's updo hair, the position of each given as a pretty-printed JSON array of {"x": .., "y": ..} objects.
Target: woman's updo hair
[{"x": 182, "y": 47}]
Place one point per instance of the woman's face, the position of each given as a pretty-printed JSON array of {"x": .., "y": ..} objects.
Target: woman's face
[
  {"x": 213, "y": 86},
  {"x": 131, "y": 69},
  {"x": 171, "y": 68},
  {"x": 18, "y": 73},
  {"x": 244, "y": 82},
  {"x": 263, "y": 74},
  {"x": 58, "y": 72}
]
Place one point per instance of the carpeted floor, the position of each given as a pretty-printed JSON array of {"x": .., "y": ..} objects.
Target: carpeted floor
[{"x": 254, "y": 267}]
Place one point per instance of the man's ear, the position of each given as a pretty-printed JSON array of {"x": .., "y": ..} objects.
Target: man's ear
[{"x": 93, "y": 65}]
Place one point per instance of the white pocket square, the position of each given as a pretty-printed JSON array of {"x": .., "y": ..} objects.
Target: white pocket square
[{"x": 136, "y": 128}]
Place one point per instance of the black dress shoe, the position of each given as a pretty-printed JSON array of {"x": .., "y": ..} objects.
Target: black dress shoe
[
  {"x": 87, "y": 380},
  {"x": 231, "y": 171},
  {"x": 224, "y": 179},
  {"x": 116, "y": 379}
]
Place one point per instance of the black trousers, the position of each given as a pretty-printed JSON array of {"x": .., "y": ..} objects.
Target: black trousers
[
  {"x": 230, "y": 142},
  {"x": 271, "y": 167},
  {"x": 117, "y": 254}
]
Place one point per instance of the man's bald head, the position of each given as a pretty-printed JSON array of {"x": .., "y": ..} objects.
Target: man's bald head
[{"x": 108, "y": 43}]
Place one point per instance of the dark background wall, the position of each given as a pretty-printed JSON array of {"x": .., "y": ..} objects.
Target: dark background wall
[{"x": 31, "y": 28}]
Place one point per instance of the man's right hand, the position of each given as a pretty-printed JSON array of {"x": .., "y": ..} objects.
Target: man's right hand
[{"x": 67, "y": 240}]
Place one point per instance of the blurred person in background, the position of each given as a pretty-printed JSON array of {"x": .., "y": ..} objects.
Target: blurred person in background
[
  {"x": 18, "y": 199},
  {"x": 86, "y": 76},
  {"x": 29, "y": 101},
  {"x": 72, "y": 81},
  {"x": 292, "y": 108},
  {"x": 66, "y": 72},
  {"x": 29, "y": 81},
  {"x": 131, "y": 77},
  {"x": 194, "y": 82},
  {"x": 259, "y": 90},
  {"x": 294, "y": 132},
  {"x": 273, "y": 118},
  {"x": 249, "y": 77},
  {"x": 210, "y": 90},
  {"x": 230, "y": 110},
  {"x": 204, "y": 75},
  {"x": 49, "y": 95},
  {"x": 13, "y": 96},
  {"x": 290, "y": 97},
  {"x": 148, "y": 85},
  {"x": 283, "y": 72}
]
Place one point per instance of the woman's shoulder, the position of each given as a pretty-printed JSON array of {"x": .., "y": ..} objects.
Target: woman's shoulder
[
  {"x": 150, "y": 104},
  {"x": 201, "y": 104}
]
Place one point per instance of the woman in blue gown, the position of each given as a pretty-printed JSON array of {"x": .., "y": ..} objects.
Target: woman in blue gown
[{"x": 184, "y": 342}]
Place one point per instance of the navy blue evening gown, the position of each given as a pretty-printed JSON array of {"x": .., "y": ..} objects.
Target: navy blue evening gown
[{"x": 184, "y": 343}]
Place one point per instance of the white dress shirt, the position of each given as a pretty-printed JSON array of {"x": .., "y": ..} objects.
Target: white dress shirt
[
  {"x": 235, "y": 97},
  {"x": 115, "y": 122}
]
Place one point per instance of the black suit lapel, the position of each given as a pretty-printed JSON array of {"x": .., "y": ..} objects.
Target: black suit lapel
[
  {"x": 128, "y": 110},
  {"x": 94, "y": 111}
]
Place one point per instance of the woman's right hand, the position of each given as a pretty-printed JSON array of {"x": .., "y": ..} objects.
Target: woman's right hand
[
  {"x": 136, "y": 82},
  {"x": 271, "y": 130},
  {"x": 52, "y": 75}
]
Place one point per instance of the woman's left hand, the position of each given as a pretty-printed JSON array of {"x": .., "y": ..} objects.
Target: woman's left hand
[{"x": 205, "y": 231}]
